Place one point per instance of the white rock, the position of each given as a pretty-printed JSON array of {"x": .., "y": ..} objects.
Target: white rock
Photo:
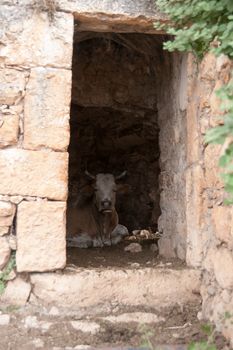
[
  {"x": 31, "y": 322},
  {"x": 4, "y": 320},
  {"x": 86, "y": 326},
  {"x": 54, "y": 311},
  {"x": 4, "y": 252},
  {"x": 12, "y": 242},
  {"x": 133, "y": 248},
  {"x": 139, "y": 317},
  {"x": 45, "y": 326},
  {"x": 82, "y": 347},
  {"x": 17, "y": 292},
  {"x": 38, "y": 343}
]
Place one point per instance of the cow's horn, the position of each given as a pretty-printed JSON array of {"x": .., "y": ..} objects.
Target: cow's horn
[
  {"x": 89, "y": 175},
  {"x": 123, "y": 174}
]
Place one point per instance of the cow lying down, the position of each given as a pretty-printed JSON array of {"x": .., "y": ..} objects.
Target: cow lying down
[{"x": 92, "y": 220}]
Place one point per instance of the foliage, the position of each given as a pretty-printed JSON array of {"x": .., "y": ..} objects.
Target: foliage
[
  {"x": 205, "y": 344},
  {"x": 197, "y": 23},
  {"x": 201, "y": 26},
  {"x": 6, "y": 272}
]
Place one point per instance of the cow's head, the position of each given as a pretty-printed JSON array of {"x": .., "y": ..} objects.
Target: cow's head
[{"x": 105, "y": 188}]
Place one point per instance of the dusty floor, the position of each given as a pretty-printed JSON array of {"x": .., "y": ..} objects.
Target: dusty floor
[
  {"x": 116, "y": 256},
  {"x": 52, "y": 328}
]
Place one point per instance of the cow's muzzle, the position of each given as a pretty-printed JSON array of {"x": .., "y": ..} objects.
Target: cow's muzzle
[{"x": 106, "y": 206}]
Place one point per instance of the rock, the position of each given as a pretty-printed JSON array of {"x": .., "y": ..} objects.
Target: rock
[
  {"x": 31, "y": 47},
  {"x": 30, "y": 173},
  {"x": 223, "y": 268},
  {"x": 46, "y": 120},
  {"x": 45, "y": 326},
  {"x": 4, "y": 320},
  {"x": 11, "y": 276},
  {"x": 135, "y": 232},
  {"x": 44, "y": 223},
  {"x": 12, "y": 241},
  {"x": 138, "y": 317},
  {"x": 4, "y": 230},
  {"x": 86, "y": 326},
  {"x": 82, "y": 347},
  {"x": 222, "y": 61},
  {"x": 133, "y": 248},
  {"x": 17, "y": 292},
  {"x": 6, "y": 208},
  {"x": 31, "y": 322},
  {"x": 54, "y": 311},
  {"x": 144, "y": 233},
  {"x": 38, "y": 343},
  {"x": 9, "y": 130},
  {"x": 12, "y": 86},
  {"x": 5, "y": 252},
  {"x": 82, "y": 289},
  {"x": 7, "y": 212}
]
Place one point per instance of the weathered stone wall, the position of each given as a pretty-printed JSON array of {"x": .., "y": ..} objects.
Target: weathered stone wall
[
  {"x": 209, "y": 221},
  {"x": 35, "y": 89},
  {"x": 172, "y": 104}
]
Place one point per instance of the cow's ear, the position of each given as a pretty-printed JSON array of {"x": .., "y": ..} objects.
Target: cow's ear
[
  {"x": 87, "y": 190},
  {"x": 123, "y": 188}
]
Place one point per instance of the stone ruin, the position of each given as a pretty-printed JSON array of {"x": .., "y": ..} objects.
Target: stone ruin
[{"x": 87, "y": 82}]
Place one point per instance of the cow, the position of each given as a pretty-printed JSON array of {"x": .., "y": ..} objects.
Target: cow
[{"x": 93, "y": 220}]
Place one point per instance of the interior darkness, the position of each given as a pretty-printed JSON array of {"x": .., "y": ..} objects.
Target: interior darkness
[{"x": 114, "y": 119}]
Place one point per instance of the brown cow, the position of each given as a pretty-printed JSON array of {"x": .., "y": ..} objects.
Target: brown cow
[{"x": 93, "y": 218}]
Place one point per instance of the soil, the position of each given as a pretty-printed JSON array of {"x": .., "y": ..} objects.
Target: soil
[
  {"x": 116, "y": 256},
  {"x": 180, "y": 326}
]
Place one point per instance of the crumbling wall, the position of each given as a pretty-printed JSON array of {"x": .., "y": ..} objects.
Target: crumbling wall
[
  {"x": 35, "y": 89},
  {"x": 209, "y": 221},
  {"x": 172, "y": 104}
]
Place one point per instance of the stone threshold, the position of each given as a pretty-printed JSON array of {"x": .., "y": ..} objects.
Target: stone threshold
[{"x": 152, "y": 287}]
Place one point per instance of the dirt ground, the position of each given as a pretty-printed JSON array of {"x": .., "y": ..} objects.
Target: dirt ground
[
  {"x": 53, "y": 329},
  {"x": 116, "y": 256}
]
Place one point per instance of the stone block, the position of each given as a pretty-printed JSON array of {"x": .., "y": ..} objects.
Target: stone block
[
  {"x": 29, "y": 38},
  {"x": 33, "y": 173},
  {"x": 9, "y": 129},
  {"x": 223, "y": 268},
  {"x": 222, "y": 219},
  {"x": 47, "y": 109},
  {"x": 222, "y": 61},
  {"x": 41, "y": 232},
  {"x": 194, "y": 214},
  {"x": 215, "y": 101},
  {"x": 160, "y": 287},
  {"x": 212, "y": 169},
  {"x": 12, "y": 85},
  {"x": 16, "y": 293},
  {"x": 5, "y": 252},
  {"x": 4, "y": 230},
  {"x": 193, "y": 153},
  {"x": 208, "y": 67},
  {"x": 6, "y": 208}
]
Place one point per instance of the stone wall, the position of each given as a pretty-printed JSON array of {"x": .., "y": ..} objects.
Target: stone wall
[
  {"x": 209, "y": 221},
  {"x": 172, "y": 104},
  {"x": 35, "y": 90},
  {"x": 35, "y": 72}
]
